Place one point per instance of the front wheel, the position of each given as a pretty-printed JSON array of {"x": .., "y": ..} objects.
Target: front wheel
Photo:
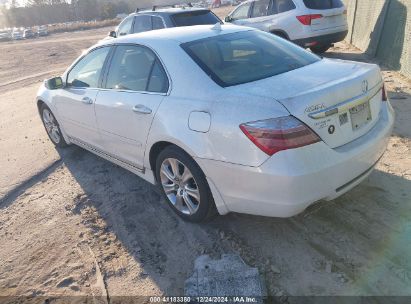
[
  {"x": 52, "y": 127},
  {"x": 184, "y": 185},
  {"x": 320, "y": 49}
]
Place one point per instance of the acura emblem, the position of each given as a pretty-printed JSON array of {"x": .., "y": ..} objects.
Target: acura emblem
[{"x": 365, "y": 86}]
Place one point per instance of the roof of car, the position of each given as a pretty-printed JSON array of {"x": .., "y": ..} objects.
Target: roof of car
[
  {"x": 179, "y": 34},
  {"x": 170, "y": 10}
]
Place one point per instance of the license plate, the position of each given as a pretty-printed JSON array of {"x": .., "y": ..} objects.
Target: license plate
[{"x": 360, "y": 115}]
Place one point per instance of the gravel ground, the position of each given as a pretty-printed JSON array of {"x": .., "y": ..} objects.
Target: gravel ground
[{"x": 74, "y": 224}]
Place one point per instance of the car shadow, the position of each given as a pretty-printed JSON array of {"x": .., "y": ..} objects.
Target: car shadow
[
  {"x": 135, "y": 212},
  {"x": 370, "y": 222}
]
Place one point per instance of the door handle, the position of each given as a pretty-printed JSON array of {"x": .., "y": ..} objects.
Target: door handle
[
  {"x": 87, "y": 100},
  {"x": 141, "y": 109}
]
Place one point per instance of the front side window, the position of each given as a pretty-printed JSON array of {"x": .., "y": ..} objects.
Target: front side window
[
  {"x": 241, "y": 12},
  {"x": 260, "y": 8},
  {"x": 281, "y": 6},
  {"x": 323, "y": 4},
  {"x": 195, "y": 18},
  {"x": 86, "y": 73},
  {"x": 248, "y": 56},
  {"x": 136, "y": 68},
  {"x": 142, "y": 24},
  {"x": 125, "y": 27},
  {"x": 157, "y": 23}
]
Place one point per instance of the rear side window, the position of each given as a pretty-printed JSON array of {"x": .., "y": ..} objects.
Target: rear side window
[
  {"x": 281, "y": 6},
  {"x": 260, "y": 8},
  {"x": 136, "y": 68},
  {"x": 158, "y": 79},
  {"x": 142, "y": 24},
  {"x": 323, "y": 4},
  {"x": 195, "y": 18},
  {"x": 243, "y": 57}
]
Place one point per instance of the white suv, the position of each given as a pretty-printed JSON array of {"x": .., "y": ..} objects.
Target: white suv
[{"x": 314, "y": 24}]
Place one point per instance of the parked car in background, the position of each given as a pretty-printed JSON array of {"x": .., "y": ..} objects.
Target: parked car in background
[
  {"x": 29, "y": 33},
  {"x": 243, "y": 121},
  {"x": 5, "y": 35},
  {"x": 158, "y": 18},
  {"x": 42, "y": 31},
  {"x": 17, "y": 34},
  {"x": 314, "y": 24}
]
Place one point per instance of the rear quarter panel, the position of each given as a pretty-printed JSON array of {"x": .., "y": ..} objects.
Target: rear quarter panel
[{"x": 192, "y": 90}]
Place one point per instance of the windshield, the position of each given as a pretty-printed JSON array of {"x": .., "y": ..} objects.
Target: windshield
[
  {"x": 246, "y": 56},
  {"x": 323, "y": 4},
  {"x": 195, "y": 18}
]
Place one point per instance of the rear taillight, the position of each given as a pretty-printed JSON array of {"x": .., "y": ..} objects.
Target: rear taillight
[
  {"x": 384, "y": 93},
  {"x": 306, "y": 19},
  {"x": 277, "y": 134}
]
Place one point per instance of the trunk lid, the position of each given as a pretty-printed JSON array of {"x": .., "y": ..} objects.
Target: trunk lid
[
  {"x": 339, "y": 100},
  {"x": 333, "y": 12},
  {"x": 332, "y": 18}
]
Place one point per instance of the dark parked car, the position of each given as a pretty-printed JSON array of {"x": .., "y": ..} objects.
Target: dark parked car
[
  {"x": 29, "y": 33},
  {"x": 158, "y": 18},
  {"x": 42, "y": 31}
]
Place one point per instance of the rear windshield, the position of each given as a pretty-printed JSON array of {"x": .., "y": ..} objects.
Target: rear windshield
[
  {"x": 323, "y": 4},
  {"x": 195, "y": 18},
  {"x": 248, "y": 56}
]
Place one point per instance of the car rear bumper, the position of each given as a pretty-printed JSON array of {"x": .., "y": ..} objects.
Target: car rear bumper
[
  {"x": 289, "y": 181},
  {"x": 322, "y": 39}
]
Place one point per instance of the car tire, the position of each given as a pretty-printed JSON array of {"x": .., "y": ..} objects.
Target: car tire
[
  {"x": 280, "y": 34},
  {"x": 52, "y": 127},
  {"x": 184, "y": 185},
  {"x": 320, "y": 49}
]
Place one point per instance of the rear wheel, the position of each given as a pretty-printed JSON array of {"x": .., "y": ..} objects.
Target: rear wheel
[
  {"x": 280, "y": 34},
  {"x": 184, "y": 185},
  {"x": 320, "y": 49},
  {"x": 52, "y": 127}
]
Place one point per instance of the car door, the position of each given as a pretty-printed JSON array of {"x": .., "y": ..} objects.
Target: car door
[
  {"x": 259, "y": 15},
  {"x": 283, "y": 17},
  {"x": 75, "y": 103},
  {"x": 134, "y": 87}
]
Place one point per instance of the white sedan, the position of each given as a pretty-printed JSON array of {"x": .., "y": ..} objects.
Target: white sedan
[{"x": 223, "y": 118}]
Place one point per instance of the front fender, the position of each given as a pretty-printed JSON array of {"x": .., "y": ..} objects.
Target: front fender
[{"x": 47, "y": 96}]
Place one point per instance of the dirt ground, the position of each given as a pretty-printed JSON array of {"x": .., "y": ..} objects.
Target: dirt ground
[{"x": 74, "y": 224}]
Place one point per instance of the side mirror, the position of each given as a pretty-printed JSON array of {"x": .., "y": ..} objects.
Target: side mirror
[
  {"x": 112, "y": 34},
  {"x": 54, "y": 83},
  {"x": 228, "y": 19}
]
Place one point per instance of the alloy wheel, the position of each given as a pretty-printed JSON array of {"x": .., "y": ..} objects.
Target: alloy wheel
[
  {"x": 180, "y": 186},
  {"x": 51, "y": 126}
]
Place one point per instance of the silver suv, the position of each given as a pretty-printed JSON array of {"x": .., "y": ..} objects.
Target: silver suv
[
  {"x": 314, "y": 24},
  {"x": 159, "y": 18}
]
